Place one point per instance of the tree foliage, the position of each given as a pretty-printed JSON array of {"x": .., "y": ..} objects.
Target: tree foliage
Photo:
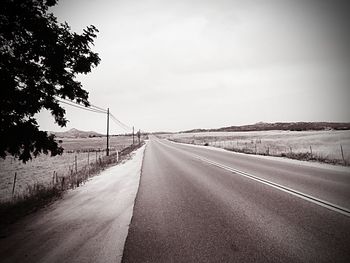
[{"x": 39, "y": 61}]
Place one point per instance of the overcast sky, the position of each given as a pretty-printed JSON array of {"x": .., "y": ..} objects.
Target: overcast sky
[{"x": 177, "y": 65}]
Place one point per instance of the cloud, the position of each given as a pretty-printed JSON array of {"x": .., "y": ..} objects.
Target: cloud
[{"x": 174, "y": 65}]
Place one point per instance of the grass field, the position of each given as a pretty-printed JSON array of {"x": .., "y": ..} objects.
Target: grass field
[
  {"x": 324, "y": 146},
  {"x": 40, "y": 170},
  {"x": 95, "y": 143}
]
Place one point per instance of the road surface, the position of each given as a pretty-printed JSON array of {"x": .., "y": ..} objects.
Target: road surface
[
  {"x": 201, "y": 205},
  {"x": 89, "y": 224}
]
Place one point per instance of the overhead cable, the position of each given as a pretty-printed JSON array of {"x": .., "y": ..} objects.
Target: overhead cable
[{"x": 82, "y": 107}]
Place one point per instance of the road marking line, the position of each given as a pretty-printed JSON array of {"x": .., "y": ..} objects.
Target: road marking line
[
  {"x": 310, "y": 198},
  {"x": 333, "y": 207}
]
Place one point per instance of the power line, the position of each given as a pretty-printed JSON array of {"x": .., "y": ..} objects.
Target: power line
[
  {"x": 120, "y": 123},
  {"x": 83, "y": 108},
  {"x": 96, "y": 109},
  {"x": 89, "y": 107},
  {"x": 92, "y": 105},
  {"x": 123, "y": 129}
]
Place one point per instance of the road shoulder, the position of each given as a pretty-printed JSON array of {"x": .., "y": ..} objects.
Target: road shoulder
[{"x": 89, "y": 224}]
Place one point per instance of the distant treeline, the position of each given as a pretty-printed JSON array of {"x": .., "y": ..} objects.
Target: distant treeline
[{"x": 284, "y": 126}]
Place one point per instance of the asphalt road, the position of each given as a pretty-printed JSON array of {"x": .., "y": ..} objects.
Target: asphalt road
[{"x": 191, "y": 207}]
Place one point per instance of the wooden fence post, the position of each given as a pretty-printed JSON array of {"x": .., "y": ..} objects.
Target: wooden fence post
[
  {"x": 88, "y": 163},
  {"x": 71, "y": 178},
  {"x": 62, "y": 183},
  {"x": 310, "y": 149},
  {"x": 14, "y": 183},
  {"x": 342, "y": 154},
  {"x": 76, "y": 165}
]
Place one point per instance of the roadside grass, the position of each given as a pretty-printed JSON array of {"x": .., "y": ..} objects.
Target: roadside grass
[
  {"x": 78, "y": 152},
  {"x": 38, "y": 195},
  {"x": 80, "y": 145},
  {"x": 301, "y": 156},
  {"x": 332, "y": 147}
]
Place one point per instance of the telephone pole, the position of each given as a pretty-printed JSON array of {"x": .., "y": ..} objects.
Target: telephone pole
[
  {"x": 107, "y": 151},
  {"x": 133, "y": 140},
  {"x": 139, "y": 135}
]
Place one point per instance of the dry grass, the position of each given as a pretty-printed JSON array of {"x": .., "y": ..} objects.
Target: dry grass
[
  {"x": 40, "y": 170},
  {"x": 95, "y": 143},
  {"x": 321, "y": 146},
  {"x": 40, "y": 195}
]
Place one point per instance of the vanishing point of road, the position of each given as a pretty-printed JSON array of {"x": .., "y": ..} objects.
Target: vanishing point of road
[{"x": 201, "y": 205}]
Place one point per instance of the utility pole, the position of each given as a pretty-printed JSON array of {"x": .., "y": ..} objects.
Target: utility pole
[
  {"x": 133, "y": 140},
  {"x": 107, "y": 151},
  {"x": 139, "y": 136}
]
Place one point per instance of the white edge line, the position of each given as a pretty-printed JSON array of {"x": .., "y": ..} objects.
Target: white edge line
[
  {"x": 301, "y": 195},
  {"x": 310, "y": 198}
]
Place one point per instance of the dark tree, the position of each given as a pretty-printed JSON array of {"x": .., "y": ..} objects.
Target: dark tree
[{"x": 39, "y": 60}]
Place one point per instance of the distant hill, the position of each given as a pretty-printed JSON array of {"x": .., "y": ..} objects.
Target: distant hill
[
  {"x": 284, "y": 126},
  {"x": 159, "y": 132},
  {"x": 74, "y": 133}
]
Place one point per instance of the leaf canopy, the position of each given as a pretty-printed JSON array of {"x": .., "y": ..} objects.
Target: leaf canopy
[{"x": 39, "y": 61}]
